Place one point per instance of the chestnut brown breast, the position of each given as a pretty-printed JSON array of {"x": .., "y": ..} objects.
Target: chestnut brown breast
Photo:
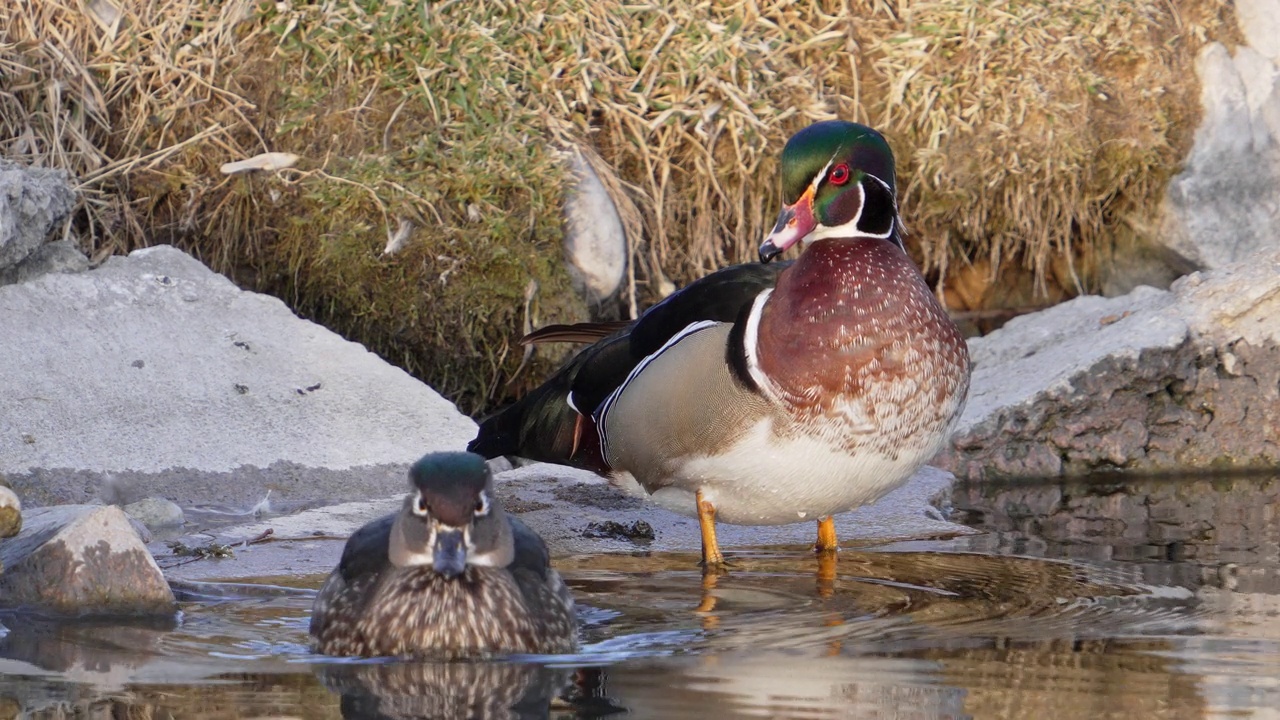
[{"x": 852, "y": 329}]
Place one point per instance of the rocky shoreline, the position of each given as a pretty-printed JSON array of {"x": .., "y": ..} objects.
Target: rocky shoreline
[{"x": 137, "y": 398}]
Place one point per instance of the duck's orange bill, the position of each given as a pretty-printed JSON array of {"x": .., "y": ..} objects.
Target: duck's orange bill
[{"x": 794, "y": 223}]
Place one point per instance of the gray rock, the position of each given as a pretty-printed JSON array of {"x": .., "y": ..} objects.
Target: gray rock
[
  {"x": 156, "y": 513},
  {"x": 143, "y": 531},
  {"x": 61, "y": 256},
  {"x": 32, "y": 201},
  {"x": 1225, "y": 204},
  {"x": 500, "y": 464},
  {"x": 1154, "y": 380},
  {"x": 78, "y": 559},
  {"x": 1144, "y": 261},
  {"x": 158, "y": 377},
  {"x": 595, "y": 243},
  {"x": 10, "y": 513}
]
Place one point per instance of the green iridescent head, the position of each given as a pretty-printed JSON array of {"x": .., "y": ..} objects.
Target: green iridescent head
[{"x": 837, "y": 181}]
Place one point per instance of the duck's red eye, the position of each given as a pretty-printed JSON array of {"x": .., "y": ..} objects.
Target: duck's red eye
[{"x": 839, "y": 174}]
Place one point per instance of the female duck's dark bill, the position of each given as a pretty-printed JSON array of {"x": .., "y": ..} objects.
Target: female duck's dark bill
[{"x": 450, "y": 556}]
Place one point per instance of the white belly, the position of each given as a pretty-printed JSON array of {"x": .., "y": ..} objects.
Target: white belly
[{"x": 768, "y": 480}]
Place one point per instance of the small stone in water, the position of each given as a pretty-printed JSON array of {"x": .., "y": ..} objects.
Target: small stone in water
[
  {"x": 10, "y": 512},
  {"x": 638, "y": 530},
  {"x": 212, "y": 550},
  {"x": 155, "y": 512}
]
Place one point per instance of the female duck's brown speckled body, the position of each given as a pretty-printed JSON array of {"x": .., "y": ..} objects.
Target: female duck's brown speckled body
[{"x": 450, "y": 576}]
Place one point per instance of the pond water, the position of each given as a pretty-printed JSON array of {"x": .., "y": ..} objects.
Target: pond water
[{"x": 1126, "y": 598}]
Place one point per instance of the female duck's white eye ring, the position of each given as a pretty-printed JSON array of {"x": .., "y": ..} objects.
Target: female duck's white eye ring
[
  {"x": 482, "y": 504},
  {"x": 420, "y": 506}
]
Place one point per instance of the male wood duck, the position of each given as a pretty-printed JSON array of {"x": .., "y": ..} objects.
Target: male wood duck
[
  {"x": 767, "y": 394},
  {"x": 449, "y": 576}
]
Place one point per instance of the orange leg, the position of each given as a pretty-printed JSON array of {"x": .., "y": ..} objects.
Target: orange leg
[
  {"x": 827, "y": 542},
  {"x": 711, "y": 555}
]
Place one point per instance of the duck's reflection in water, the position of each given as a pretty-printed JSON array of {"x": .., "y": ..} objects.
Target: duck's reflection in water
[{"x": 446, "y": 690}]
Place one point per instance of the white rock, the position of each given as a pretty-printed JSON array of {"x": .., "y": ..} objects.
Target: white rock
[
  {"x": 1042, "y": 353},
  {"x": 155, "y": 376},
  {"x": 1259, "y": 78},
  {"x": 1154, "y": 380},
  {"x": 10, "y": 513},
  {"x": 156, "y": 513},
  {"x": 595, "y": 243},
  {"x": 1259, "y": 21},
  {"x": 1225, "y": 205},
  {"x": 79, "y": 559}
]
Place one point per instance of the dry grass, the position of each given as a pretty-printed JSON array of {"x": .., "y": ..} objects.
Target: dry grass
[
  {"x": 1027, "y": 133},
  {"x": 1037, "y": 125}
]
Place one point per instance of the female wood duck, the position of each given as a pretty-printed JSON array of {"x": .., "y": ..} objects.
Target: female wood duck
[
  {"x": 449, "y": 576},
  {"x": 766, "y": 394}
]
